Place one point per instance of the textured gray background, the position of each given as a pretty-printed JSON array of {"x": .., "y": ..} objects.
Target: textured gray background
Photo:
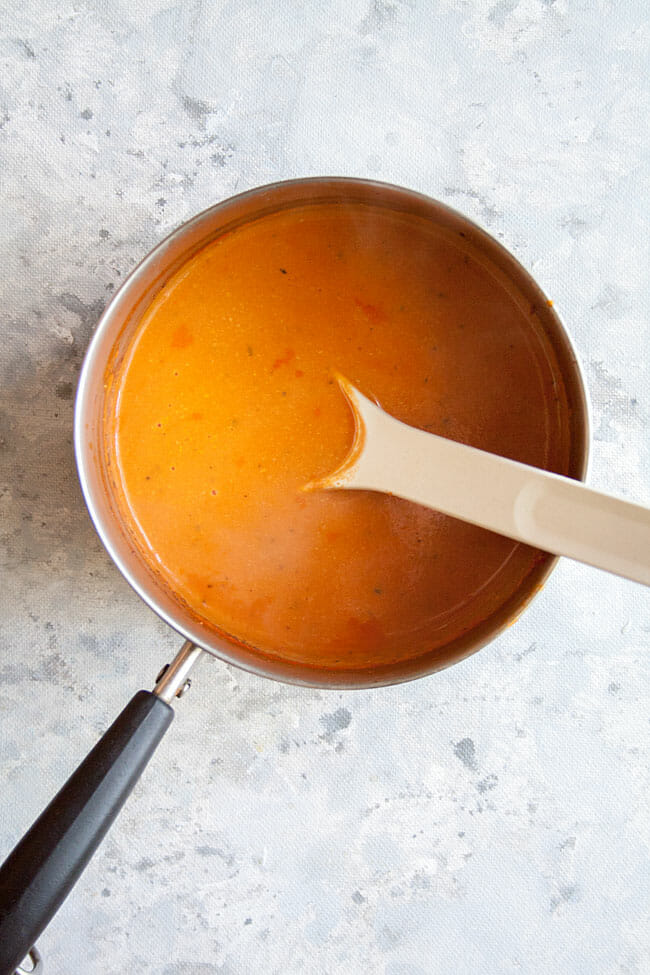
[{"x": 493, "y": 818}]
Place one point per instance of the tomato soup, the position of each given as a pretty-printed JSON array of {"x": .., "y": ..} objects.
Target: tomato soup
[{"x": 226, "y": 406}]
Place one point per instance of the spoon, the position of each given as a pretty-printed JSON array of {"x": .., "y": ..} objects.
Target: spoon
[{"x": 550, "y": 512}]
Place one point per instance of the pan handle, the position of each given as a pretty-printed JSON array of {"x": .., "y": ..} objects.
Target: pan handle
[
  {"x": 36, "y": 964},
  {"x": 42, "y": 869}
]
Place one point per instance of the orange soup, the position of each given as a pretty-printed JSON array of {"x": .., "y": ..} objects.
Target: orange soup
[{"x": 226, "y": 406}]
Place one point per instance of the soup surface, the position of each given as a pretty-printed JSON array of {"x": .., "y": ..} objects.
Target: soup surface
[{"x": 226, "y": 406}]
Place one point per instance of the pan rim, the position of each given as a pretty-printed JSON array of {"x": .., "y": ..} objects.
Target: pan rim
[{"x": 243, "y": 657}]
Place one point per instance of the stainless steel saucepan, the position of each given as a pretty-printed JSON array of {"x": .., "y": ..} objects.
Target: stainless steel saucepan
[{"x": 40, "y": 872}]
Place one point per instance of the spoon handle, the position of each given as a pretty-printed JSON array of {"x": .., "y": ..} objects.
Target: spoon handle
[{"x": 551, "y": 512}]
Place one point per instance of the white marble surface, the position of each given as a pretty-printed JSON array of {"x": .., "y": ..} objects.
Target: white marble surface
[{"x": 493, "y": 818}]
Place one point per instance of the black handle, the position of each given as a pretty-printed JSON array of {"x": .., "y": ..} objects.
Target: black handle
[{"x": 40, "y": 872}]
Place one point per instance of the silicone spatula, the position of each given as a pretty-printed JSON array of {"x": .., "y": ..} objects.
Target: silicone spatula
[{"x": 550, "y": 512}]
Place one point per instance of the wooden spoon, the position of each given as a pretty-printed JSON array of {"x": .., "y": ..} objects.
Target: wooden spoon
[{"x": 548, "y": 511}]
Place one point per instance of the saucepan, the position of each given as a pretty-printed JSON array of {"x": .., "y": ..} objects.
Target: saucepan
[{"x": 42, "y": 869}]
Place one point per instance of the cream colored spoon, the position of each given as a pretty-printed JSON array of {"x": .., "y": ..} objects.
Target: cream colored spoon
[{"x": 550, "y": 512}]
